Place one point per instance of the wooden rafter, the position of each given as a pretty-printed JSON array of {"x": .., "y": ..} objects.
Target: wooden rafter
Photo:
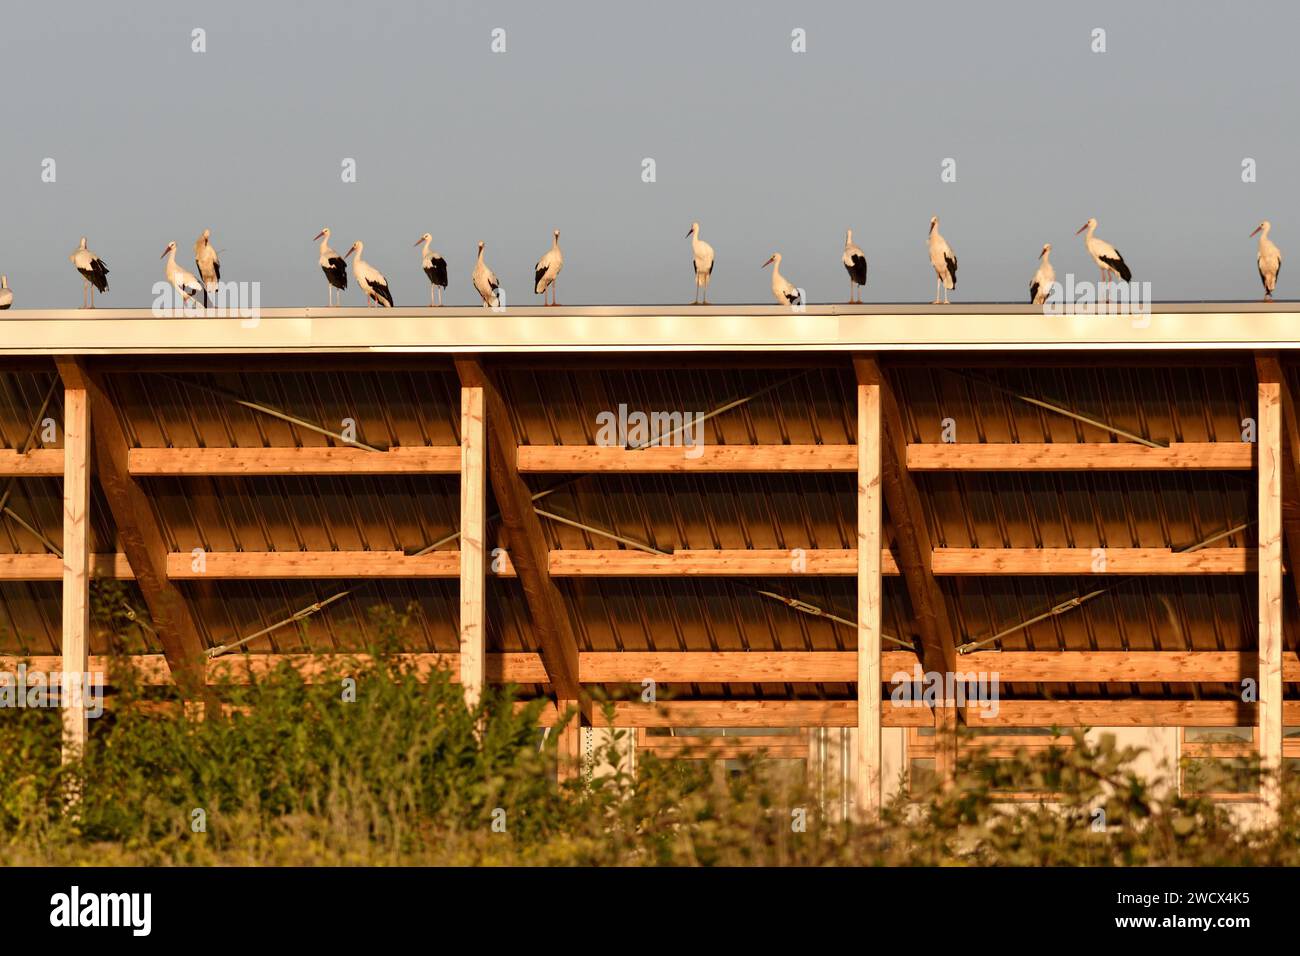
[
  {"x": 138, "y": 531},
  {"x": 528, "y": 549},
  {"x": 76, "y": 564}
]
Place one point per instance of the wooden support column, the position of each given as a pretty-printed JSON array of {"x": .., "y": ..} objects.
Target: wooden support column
[
  {"x": 568, "y": 747},
  {"x": 913, "y": 554},
  {"x": 529, "y": 553},
  {"x": 473, "y": 513},
  {"x": 138, "y": 531},
  {"x": 867, "y": 787},
  {"x": 1269, "y": 456},
  {"x": 76, "y": 569}
]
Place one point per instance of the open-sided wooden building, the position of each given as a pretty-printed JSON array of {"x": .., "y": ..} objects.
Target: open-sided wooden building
[{"x": 1089, "y": 508}]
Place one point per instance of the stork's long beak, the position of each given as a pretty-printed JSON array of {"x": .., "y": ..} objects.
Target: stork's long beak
[
  {"x": 164, "y": 253},
  {"x": 418, "y": 241},
  {"x": 768, "y": 263},
  {"x": 318, "y": 235},
  {"x": 1256, "y": 232},
  {"x": 1043, "y": 253},
  {"x": 1081, "y": 228},
  {"x": 690, "y": 230},
  {"x": 349, "y": 252}
]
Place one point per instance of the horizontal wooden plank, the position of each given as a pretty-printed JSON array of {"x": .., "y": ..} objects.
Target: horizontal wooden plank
[
  {"x": 748, "y": 667},
  {"x": 36, "y": 463},
  {"x": 234, "y": 462},
  {"x": 1010, "y": 713},
  {"x": 49, "y": 567},
  {"x": 722, "y": 458},
  {"x": 219, "y": 565},
  {"x": 700, "y": 747},
  {"x": 832, "y": 667},
  {"x": 1094, "y": 456},
  {"x": 1084, "y": 561},
  {"x": 232, "y": 565}
]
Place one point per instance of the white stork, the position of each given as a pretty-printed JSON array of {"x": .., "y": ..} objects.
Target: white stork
[
  {"x": 1041, "y": 284},
  {"x": 1107, "y": 257},
  {"x": 782, "y": 289},
  {"x": 702, "y": 260},
  {"x": 548, "y": 270},
  {"x": 855, "y": 264},
  {"x": 1269, "y": 259},
  {"x": 180, "y": 279},
  {"x": 332, "y": 264},
  {"x": 370, "y": 279},
  {"x": 944, "y": 261},
  {"x": 485, "y": 281},
  {"x": 6, "y": 293},
  {"x": 92, "y": 270},
  {"x": 208, "y": 263},
  {"x": 435, "y": 267}
]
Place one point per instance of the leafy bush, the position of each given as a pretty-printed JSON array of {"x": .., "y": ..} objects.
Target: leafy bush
[{"x": 293, "y": 773}]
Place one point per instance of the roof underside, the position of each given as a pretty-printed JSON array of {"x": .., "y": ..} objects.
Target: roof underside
[{"x": 418, "y": 403}]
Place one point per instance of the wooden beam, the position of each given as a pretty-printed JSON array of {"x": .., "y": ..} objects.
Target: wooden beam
[
  {"x": 320, "y": 565},
  {"x": 1269, "y": 441},
  {"x": 773, "y": 747},
  {"x": 473, "y": 530},
  {"x": 868, "y": 792},
  {"x": 76, "y": 568},
  {"x": 37, "y": 463},
  {"x": 1090, "y": 456},
  {"x": 1010, "y": 713},
  {"x": 912, "y": 550},
  {"x": 49, "y": 567},
  {"x": 1089, "y": 561},
  {"x": 743, "y": 667},
  {"x": 657, "y": 459},
  {"x": 241, "y": 462},
  {"x": 527, "y": 545},
  {"x": 138, "y": 531},
  {"x": 734, "y": 563},
  {"x": 1021, "y": 456},
  {"x": 840, "y": 667}
]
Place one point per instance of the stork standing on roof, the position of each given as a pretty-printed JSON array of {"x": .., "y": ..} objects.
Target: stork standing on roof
[
  {"x": 702, "y": 261},
  {"x": 485, "y": 281},
  {"x": 208, "y": 263},
  {"x": 855, "y": 264},
  {"x": 92, "y": 270},
  {"x": 1269, "y": 259},
  {"x": 370, "y": 279},
  {"x": 1107, "y": 257},
  {"x": 6, "y": 294},
  {"x": 182, "y": 280},
  {"x": 435, "y": 267},
  {"x": 332, "y": 264},
  {"x": 782, "y": 289},
  {"x": 548, "y": 270},
  {"x": 944, "y": 261},
  {"x": 1041, "y": 284}
]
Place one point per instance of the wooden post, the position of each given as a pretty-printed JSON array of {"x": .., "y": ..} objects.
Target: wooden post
[
  {"x": 867, "y": 789},
  {"x": 76, "y": 569},
  {"x": 1269, "y": 446},
  {"x": 568, "y": 749},
  {"x": 473, "y": 491}
]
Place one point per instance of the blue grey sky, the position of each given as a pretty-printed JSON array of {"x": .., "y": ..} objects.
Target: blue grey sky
[{"x": 770, "y": 149}]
